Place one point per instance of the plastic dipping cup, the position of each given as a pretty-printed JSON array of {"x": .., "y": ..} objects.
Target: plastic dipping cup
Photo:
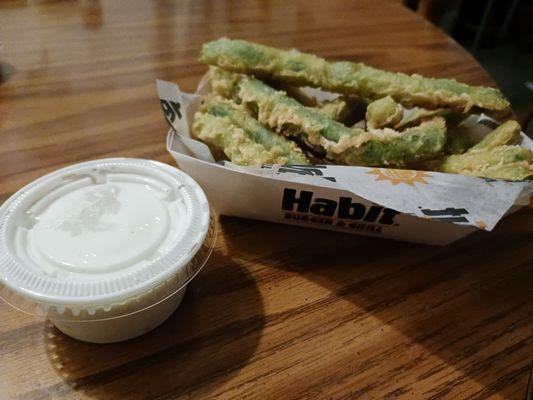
[{"x": 104, "y": 249}]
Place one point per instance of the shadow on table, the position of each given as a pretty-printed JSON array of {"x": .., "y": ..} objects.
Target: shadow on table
[
  {"x": 455, "y": 301},
  {"x": 213, "y": 334}
]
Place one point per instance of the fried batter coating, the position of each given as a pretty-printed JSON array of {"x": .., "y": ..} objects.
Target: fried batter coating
[
  {"x": 506, "y": 133},
  {"x": 416, "y": 115},
  {"x": 223, "y": 82},
  {"x": 220, "y": 133},
  {"x": 383, "y": 112},
  {"x": 294, "y": 92},
  {"x": 502, "y": 162},
  {"x": 242, "y": 137},
  {"x": 342, "y": 144},
  {"x": 461, "y": 139},
  {"x": 303, "y": 69}
]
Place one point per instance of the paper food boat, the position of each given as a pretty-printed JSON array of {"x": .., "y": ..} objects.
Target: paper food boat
[{"x": 415, "y": 206}]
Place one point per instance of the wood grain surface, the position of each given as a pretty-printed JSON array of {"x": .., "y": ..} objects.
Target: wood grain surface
[{"x": 279, "y": 312}]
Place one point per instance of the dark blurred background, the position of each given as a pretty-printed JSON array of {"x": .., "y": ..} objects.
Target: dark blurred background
[{"x": 499, "y": 34}]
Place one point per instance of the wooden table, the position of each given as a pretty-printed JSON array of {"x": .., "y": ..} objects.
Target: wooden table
[{"x": 279, "y": 312}]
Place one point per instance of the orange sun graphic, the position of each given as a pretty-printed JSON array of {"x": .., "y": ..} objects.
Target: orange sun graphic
[
  {"x": 481, "y": 224},
  {"x": 397, "y": 176}
]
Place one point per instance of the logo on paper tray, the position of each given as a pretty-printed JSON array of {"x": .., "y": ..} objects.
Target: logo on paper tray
[
  {"x": 302, "y": 169},
  {"x": 456, "y": 215},
  {"x": 399, "y": 176},
  {"x": 304, "y": 207},
  {"x": 172, "y": 109}
]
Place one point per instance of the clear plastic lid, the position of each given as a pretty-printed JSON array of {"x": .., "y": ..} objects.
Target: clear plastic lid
[{"x": 103, "y": 239}]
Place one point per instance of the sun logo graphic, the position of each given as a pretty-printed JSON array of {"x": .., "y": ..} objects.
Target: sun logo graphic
[
  {"x": 397, "y": 176},
  {"x": 481, "y": 224}
]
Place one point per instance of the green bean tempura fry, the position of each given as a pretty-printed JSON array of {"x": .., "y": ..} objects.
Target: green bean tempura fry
[
  {"x": 223, "y": 83},
  {"x": 303, "y": 69},
  {"x": 383, "y": 112},
  {"x": 252, "y": 122},
  {"x": 346, "y": 145},
  {"x": 244, "y": 136},
  {"x": 502, "y": 162},
  {"x": 506, "y": 133},
  {"x": 274, "y": 143}
]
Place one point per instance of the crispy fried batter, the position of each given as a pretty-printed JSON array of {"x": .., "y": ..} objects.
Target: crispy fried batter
[
  {"x": 241, "y": 136},
  {"x": 303, "y": 69},
  {"x": 383, "y": 112},
  {"x": 501, "y": 162},
  {"x": 223, "y": 82},
  {"x": 506, "y": 133},
  {"x": 345, "y": 145}
]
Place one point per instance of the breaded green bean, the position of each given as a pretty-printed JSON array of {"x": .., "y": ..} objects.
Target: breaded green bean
[
  {"x": 416, "y": 115},
  {"x": 278, "y": 111},
  {"x": 223, "y": 82},
  {"x": 461, "y": 139},
  {"x": 221, "y": 133},
  {"x": 387, "y": 147},
  {"x": 303, "y": 69},
  {"x": 278, "y": 146},
  {"x": 502, "y": 162},
  {"x": 340, "y": 109},
  {"x": 517, "y": 171},
  {"x": 506, "y": 133},
  {"x": 383, "y": 112},
  {"x": 294, "y": 92},
  {"x": 345, "y": 145},
  {"x": 337, "y": 109}
]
